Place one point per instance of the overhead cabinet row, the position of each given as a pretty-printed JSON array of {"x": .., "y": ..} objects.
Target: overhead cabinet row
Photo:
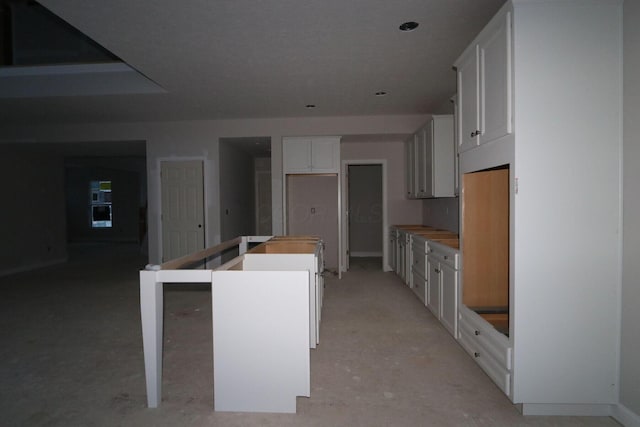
[
  {"x": 318, "y": 154},
  {"x": 430, "y": 160}
]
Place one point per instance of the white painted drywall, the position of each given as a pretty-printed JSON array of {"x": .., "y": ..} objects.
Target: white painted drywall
[
  {"x": 32, "y": 218},
  {"x": 442, "y": 212},
  {"x": 236, "y": 194},
  {"x": 630, "y": 338},
  {"x": 199, "y": 140}
]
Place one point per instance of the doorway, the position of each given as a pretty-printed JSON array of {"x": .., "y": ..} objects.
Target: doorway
[{"x": 364, "y": 214}]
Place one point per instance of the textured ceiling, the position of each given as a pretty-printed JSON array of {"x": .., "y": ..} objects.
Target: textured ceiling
[{"x": 260, "y": 59}]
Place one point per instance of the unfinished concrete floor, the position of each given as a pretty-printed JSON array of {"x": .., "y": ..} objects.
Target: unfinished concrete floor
[{"x": 71, "y": 355}]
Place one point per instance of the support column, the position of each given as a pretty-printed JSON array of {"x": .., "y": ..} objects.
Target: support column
[{"x": 151, "y": 311}]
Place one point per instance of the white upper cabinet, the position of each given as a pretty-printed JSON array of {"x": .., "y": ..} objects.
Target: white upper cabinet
[
  {"x": 410, "y": 170},
  {"x": 468, "y": 99},
  {"x": 485, "y": 86},
  {"x": 317, "y": 154},
  {"x": 430, "y": 164}
]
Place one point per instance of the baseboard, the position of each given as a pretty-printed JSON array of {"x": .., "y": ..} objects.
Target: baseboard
[
  {"x": 619, "y": 412},
  {"x": 625, "y": 416},
  {"x": 365, "y": 254},
  {"x": 584, "y": 410},
  {"x": 31, "y": 267}
]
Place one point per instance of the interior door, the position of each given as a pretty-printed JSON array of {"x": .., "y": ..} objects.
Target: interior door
[{"x": 182, "y": 208}]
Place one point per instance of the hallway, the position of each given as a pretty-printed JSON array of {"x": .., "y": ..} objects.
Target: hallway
[{"x": 71, "y": 355}]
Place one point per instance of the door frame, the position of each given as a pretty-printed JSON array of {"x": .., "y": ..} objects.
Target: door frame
[
  {"x": 344, "y": 237},
  {"x": 205, "y": 180}
]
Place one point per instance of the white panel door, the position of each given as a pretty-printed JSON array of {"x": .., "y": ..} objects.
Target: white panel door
[{"x": 182, "y": 208}]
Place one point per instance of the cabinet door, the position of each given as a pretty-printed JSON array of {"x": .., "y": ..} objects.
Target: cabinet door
[
  {"x": 425, "y": 161},
  {"x": 434, "y": 285},
  {"x": 441, "y": 149},
  {"x": 296, "y": 153},
  {"x": 468, "y": 101},
  {"x": 410, "y": 168},
  {"x": 325, "y": 155},
  {"x": 456, "y": 143},
  {"x": 392, "y": 250},
  {"x": 449, "y": 314},
  {"x": 495, "y": 81}
]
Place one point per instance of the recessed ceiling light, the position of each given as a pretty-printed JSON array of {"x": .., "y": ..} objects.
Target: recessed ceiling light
[
  {"x": 310, "y": 106},
  {"x": 381, "y": 93},
  {"x": 408, "y": 26}
]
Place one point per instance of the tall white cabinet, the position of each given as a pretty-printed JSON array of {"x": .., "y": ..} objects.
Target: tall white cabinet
[{"x": 540, "y": 95}]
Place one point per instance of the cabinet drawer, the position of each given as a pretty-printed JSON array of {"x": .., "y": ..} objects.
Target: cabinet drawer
[
  {"x": 419, "y": 285},
  {"x": 496, "y": 344},
  {"x": 489, "y": 348},
  {"x": 498, "y": 374},
  {"x": 444, "y": 254}
]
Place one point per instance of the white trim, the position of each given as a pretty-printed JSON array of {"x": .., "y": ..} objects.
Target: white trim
[
  {"x": 625, "y": 416},
  {"x": 619, "y": 412},
  {"x": 365, "y": 254},
  {"x": 343, "y": 215},
  {"x": 551, "y": 409}
]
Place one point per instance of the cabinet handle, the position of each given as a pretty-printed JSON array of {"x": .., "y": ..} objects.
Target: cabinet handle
[
  {"x": 476, "y": 332},
  {"x": 476, "y": 354},
  {"x": 446, "y": 257},
  {"x": 476, "y": 133}
]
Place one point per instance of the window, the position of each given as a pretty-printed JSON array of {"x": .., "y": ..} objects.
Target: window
[{"x": 101, "y": 204}]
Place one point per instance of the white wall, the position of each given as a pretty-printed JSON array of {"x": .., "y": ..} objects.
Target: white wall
[
  {"x": 442, "y": 212},
  {"x": 236, "y": 192},
  {"x": 199, "y": 140},
  {"x": 32, "y": 218},
  {"x": 630, "y": 340}
]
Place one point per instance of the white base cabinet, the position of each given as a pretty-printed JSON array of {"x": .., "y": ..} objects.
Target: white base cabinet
[{"x": 442, "y": 263}]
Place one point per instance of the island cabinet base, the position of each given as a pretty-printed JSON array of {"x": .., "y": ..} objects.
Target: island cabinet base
[{"x": 260, "y": 340}]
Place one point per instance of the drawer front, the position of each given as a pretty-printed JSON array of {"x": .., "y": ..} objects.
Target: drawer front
[
  {"x": 500, "y": 376},
  {"x": 419, "y": 242},
  {"x": 419, "y": 285},
  {"x": 444, "y": 254},
  {"x": 493, "y": 341},
  {"x": 488, "y": 351}
]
